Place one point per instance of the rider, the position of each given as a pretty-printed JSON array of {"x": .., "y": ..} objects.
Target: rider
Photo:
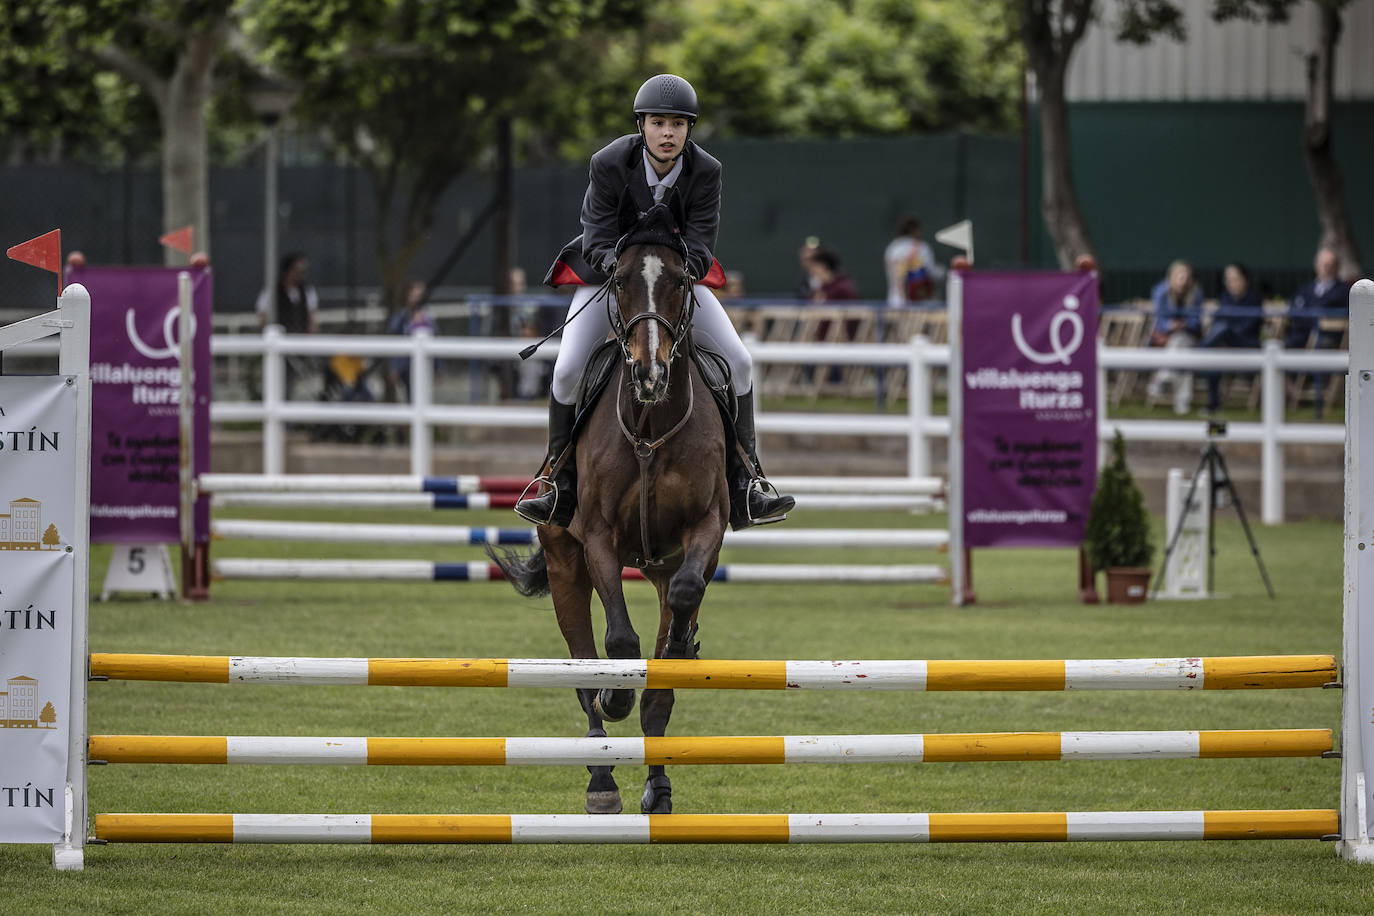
[{"x": 657, "y": 160}]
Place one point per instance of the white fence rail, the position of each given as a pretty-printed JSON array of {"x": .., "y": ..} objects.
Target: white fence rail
[{"x": 920, "y": 426}]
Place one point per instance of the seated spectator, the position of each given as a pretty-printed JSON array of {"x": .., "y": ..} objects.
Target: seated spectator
[
  {"x": 911, "y": 269},
  {"x": 1324, "y": 296},
  {"x": 1324, "y": 291},
  {"x": 1177, "y": 325},
  {"x": 829, "y": 282},
  {"x": 1236, "y": 324},
  {"x": 411, "y": 318}
]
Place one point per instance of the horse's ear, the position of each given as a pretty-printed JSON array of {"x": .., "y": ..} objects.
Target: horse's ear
[{"x": 628, "y": 215}]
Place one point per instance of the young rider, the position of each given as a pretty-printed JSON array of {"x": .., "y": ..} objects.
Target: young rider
[{"x": 657, "y": 160}]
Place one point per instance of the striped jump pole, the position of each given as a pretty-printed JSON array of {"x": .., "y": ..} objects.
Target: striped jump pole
[
  {"x": 767, "y": 536},
  {"x": 473, "y": 501},
  {"x": 712, "y": 750},
  {"x": 1053, "y": 826},
  {"x": 507, "y": 500},
  {"x": 1218, "y": 673},
  {"x": 471, "y": 483},
  {"x": 358, "y": 483},
  {"x": 425, "y": 571}
]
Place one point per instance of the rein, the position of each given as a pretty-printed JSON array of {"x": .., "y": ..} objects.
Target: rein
[{"x": 643, "y": 448}]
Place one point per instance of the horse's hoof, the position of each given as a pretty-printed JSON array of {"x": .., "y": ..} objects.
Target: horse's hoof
[
  {"x": 657, "y": 797},
  {"x": 613, "y": 705},
  {"x": 607, "y": 802}
]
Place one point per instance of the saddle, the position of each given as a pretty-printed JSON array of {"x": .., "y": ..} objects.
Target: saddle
[{"x": 601, "y": 368}]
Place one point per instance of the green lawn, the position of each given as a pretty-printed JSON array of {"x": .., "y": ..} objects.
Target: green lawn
[{"x": 1026, "y": 609}]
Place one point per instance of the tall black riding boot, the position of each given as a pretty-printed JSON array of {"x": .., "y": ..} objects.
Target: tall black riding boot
[
  {"x": 753, "y": 500},
  {"x": 559, "y": 501}
]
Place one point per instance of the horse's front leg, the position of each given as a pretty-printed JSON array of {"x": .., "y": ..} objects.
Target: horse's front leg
[
  {"x": 603, "y": 566},
  {"x": 571, "y": 590},
  {"x": 701, "y": 551},
  {"x": 679, "y": 601}
]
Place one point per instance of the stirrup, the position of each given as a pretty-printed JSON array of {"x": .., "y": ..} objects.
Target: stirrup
[
  {"x": 525, "y": 497},
  {"x": 764, "y": 487}
]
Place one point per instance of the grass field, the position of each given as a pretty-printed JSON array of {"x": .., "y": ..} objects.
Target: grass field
[{"x": 1026, "y": 609}]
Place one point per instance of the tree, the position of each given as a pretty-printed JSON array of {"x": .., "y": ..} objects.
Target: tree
[
  {"x": 807, "y": 68},
  {"x": 56, "y": 105},
  {"x": 412, "y": 91},
  {"x": 1337, "y": 232},
  {"x": 51, "y": 537},
  {"x": 47, "y": 715}
]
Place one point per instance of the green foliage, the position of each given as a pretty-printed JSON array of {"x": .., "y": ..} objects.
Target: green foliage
[
  {"x": 413, "y": 91},
  {"x": 818, "y": 68},
  {"x": 1118, "y": 530}
]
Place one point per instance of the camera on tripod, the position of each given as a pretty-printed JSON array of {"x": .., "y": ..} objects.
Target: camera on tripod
[{"x": 1216, "y": 428}]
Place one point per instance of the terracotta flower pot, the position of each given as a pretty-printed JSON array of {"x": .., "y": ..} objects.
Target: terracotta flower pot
[{"x": 1128, "y": 584}]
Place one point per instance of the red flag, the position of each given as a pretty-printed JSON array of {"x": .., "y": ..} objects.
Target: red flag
[
  {"x": 180, "y": 239},
  {"x": 43, "y": 252}
]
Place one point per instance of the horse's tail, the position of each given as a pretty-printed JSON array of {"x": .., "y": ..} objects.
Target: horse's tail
[{"x": 528, "y": 573}]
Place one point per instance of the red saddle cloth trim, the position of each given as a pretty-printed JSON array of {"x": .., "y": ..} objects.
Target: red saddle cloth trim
[{"x": 563, "y": 275}]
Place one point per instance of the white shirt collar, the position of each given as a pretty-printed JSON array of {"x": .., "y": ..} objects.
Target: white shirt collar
[{"x": 660, "y": 186}]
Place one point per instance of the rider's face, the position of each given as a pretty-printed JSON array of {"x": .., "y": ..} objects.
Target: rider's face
[{"x": 665, "y": 134}]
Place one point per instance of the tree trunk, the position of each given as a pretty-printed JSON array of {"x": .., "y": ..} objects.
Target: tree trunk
[
  {"x": 185, "y": 167},
  {"x": 1337, "y": 233},
  {"x": 1059, "y": 201}
]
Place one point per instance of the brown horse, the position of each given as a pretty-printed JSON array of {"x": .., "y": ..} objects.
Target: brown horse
[{"x": 651, "y": 493}]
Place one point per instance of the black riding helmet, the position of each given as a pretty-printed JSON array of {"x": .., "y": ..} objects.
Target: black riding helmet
[{"x": 666, "y": 94}]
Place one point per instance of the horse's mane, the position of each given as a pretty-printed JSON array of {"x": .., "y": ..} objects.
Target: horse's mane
[{"x": 656, "y": 226}]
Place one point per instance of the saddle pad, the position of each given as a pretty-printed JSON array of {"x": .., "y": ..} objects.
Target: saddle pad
[{"x": 604, "y": 364}]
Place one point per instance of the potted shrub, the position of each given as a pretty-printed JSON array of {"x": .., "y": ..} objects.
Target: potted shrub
[{"x": 1117, "y": 536}]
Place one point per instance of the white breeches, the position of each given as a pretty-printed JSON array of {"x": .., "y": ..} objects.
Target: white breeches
[{"x": 710, "y": 326}]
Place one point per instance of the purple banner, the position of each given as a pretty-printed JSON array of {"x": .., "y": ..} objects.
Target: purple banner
[
  {"x": 135, "y": 392},
  {"x": 1030, "y": 407}
]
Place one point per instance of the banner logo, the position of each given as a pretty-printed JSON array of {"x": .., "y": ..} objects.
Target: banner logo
[
  {"x": 169, "y": 334},
  {"x": 1060, "y": 351}
]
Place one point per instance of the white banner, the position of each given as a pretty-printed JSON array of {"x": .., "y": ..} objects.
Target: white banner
[{"x": 38, "y": 448}]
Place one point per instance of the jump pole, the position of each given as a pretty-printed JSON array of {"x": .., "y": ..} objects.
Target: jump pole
[
  {"x": 1050, "y": 827},
  {"x": 482, "y": 501},
  {"x": 472, "y": 483},
  {"x": 1219, "y": 673},
  {"x": 425, "y": 571},
  {"x": 711, "y": 750},
  {"x": 770, "y": 536}
]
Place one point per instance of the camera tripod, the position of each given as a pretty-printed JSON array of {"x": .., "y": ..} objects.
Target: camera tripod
[{"x": 1218, "y": 476}]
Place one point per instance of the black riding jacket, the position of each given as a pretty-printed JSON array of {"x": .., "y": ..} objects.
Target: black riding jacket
[{"x": 615, "y": 182}]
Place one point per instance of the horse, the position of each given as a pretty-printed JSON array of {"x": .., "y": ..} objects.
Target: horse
[{"x": 651, "y": 493}]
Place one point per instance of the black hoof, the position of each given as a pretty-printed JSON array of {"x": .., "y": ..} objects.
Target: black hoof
[
  {"x": 613, "y": 705},
  {"x": 658, "y": 796},
  {"x": 605, "y": 802}
]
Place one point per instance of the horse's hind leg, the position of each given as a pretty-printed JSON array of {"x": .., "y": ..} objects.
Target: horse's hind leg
[
  {"x": 655, "y": 708},
  {"x": 572, "y": 601}
]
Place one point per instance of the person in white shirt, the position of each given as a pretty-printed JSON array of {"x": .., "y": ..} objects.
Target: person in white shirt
[{"x": 910, "y": 265}]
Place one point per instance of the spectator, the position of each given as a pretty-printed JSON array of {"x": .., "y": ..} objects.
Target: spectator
[
  {"x": 294, "y": 305},
  {"x": 297, "y": 303},
  {"x": 1324, "y": 291},
  {"x": 806, "y": 283},
  {"x": 1236, "y": 323},
  {"x": 411, "y": 318},
  {"x": 911, "y": 268},
  {"x": 1324, "y": 296},
  {"x": 1177, "y": 325},
  {"x": 829, "y": 282},
  {"x": 734, "y": 286}
]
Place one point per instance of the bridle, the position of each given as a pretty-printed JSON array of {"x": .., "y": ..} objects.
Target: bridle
[
  {"x": 644, "y": 448},
  {"x": 622, "y": 329}
]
